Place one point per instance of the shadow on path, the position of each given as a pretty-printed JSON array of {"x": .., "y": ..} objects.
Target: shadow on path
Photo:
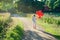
[{"x": 32, "y": 35}]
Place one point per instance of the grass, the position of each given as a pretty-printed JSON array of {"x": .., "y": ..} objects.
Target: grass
[
  {"x": 10, "y": 28},
  {"x": 15, "y": 32},
  {"x": 51, "y": 25},
  {"x": 4, "y": 22}
]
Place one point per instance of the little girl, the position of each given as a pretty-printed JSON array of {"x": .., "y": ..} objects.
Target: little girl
[{"x": 34, "y": 21}]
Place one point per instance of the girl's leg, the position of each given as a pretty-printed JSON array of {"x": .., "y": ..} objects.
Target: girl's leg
[{"x": 34, "y": 25}]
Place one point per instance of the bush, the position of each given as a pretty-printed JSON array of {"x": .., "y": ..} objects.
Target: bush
[
  {"x": 10, "y": 29},
  {"x": 4, "y": 22},
  {"x": 58, "y": 23},
  {"x": 18, "y": 32},
  {"x": 51, "y": 20},
  {"x": 15, "y": 33}
]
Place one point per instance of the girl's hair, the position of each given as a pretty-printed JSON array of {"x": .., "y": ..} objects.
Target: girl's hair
[{"x": 34, "y": 15}]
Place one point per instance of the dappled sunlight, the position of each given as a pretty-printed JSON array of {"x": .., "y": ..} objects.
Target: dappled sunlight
[
  {"x": 29, "y": 19},
  {"x": 33, "y": 35}
]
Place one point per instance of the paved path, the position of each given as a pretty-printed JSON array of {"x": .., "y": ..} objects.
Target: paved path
[{"x": 34, "y": 34}]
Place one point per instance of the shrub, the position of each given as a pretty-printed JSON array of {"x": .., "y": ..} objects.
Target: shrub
[
  {"x": 15, "y": 34},
  {"x": 58, "y": 23},
  {"x": 51, "y": 20},
  {"x": 4, "y": 22}
]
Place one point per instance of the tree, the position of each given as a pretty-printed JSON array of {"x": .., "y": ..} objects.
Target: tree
[
  {"x": 5, "y": 5},
  {"x": 30, "y": 5},
  {"x": 50, "y": 3},
  {"x": 57, "y": 5}
]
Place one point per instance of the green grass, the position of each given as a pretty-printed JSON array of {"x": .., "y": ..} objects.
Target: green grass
[
  {"x": 10, "y": 28},
  {"x": 15, "y": 32},
  {"x": 51, "y": 25},
  {"x": 51, "y": 28},
  {"x": 5, "y": 19}
]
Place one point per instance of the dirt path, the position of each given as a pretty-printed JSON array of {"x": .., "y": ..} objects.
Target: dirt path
[{"x": 34, "y": 34}]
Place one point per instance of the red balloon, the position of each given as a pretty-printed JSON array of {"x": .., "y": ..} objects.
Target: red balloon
[{"x": 39, "y": 13}]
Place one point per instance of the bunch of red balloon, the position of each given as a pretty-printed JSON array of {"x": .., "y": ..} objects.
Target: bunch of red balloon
[{"x": 39, "y": 13}]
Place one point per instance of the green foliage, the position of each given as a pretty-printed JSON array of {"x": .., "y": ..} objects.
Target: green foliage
[
  {"x": 5, "y": 5},
  {"x": 4, "y": 19},
  {"x": 50, "y": 20},
  {"x": 47, "y": 3},
  {"x": 58, "y": 22},
  {"x": 51, "y": 24},
  {"x": 10, "y": 29},
  {"x": 56, "y": 4},
  {"x": 15, "y": 34},
  {"x": 30, "y": 5},
  {"x": 4, "y": 22}
]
